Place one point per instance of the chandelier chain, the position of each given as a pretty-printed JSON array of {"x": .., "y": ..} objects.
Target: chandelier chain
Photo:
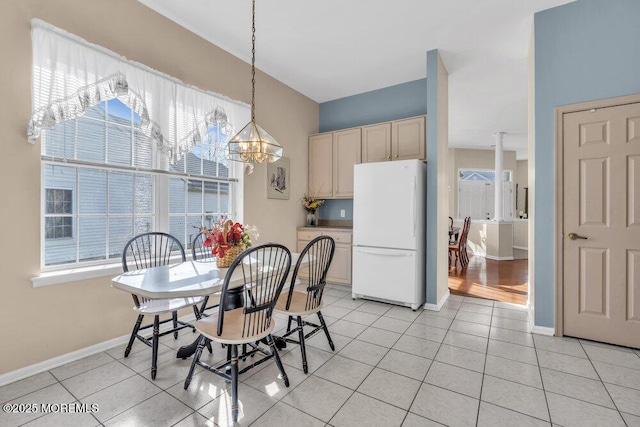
[{"x": 253, "y": 62}]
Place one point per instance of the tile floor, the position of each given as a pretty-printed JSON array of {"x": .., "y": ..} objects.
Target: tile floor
[{"x": 472, "y": 363}]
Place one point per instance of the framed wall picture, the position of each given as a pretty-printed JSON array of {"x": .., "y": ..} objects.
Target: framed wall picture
[{"x": 278, "y": 179}]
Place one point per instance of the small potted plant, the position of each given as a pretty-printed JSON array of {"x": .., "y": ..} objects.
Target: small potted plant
[{"x": 311, "y": 205}]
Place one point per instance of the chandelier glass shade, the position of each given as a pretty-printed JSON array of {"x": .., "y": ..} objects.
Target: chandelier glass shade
[{"x": 253, "y": 144}]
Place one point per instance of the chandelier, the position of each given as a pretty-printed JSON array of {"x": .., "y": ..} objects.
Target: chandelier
[{"x": 253, "y": 144}]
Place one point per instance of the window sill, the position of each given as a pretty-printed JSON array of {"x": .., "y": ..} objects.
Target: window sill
[{"x": 75, "y": 274}]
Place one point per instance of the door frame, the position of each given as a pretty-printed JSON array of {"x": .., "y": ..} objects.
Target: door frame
[{"x": 559, "y": 199}]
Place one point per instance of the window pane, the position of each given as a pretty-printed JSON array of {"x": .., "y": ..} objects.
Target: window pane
[
  {"x": 142, "y": 224},
  {"x": 93, "y": 189},
  {"x": 142, "y": 150},
  {"x": 97, "y": 112},
  {"x": 119, "y": 146},
  {"x": 61, "y": 177},
  {"x": 194, "y": 224},
  {"x": 61, "y": 251},
  {"x": 143, "y": 200},
  {"x": 177, "y": 228},
  {"x": 194, "y": 196},
  {"x": 120, "y": 192},
  {"x": 177, "y": 189},
  {"x": 211, "y": 205},
  {"x": 93, "y": 234},
  {"x": 224, "y": 198},
  {"x": 91, "y": 137},
  {"x": 60, "y": 141},
  {"x": 118, "y": 112},
  {"x": 194, "y": 164},
  {"x": 120, "y": 232},
  {"x": 179, "y": 167}
]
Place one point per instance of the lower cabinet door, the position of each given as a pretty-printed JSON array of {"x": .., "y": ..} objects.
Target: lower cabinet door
[{"x": 340, "y": 269}]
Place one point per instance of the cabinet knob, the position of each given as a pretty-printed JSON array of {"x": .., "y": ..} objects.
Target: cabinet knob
[
  {"x": 395, "y": 156},
  {"x": 388, "y": 157}
]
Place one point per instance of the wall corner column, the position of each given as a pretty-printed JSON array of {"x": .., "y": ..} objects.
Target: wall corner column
[{"x": 437, "y": 210}]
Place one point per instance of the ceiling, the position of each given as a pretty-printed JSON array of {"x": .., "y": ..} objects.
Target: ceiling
[{"x": 329, "y": 49}]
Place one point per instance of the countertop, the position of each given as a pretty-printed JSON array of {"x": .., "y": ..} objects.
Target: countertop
[{"x": 323, "y": 228}]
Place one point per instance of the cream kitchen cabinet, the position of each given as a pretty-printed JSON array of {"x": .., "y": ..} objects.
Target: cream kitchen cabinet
[
  {"x": 331, "y": 159},
  {"x": 397, "y": 140},
  {"x": 340, "y": 269}
]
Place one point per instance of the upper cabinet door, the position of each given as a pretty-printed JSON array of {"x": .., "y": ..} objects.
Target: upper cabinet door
[
  {"x": 347, "y": 151},
  {"x": 376, "y": 143},
  {"x": 408, "y": 139},
  {"x": 320, "y": 158}
]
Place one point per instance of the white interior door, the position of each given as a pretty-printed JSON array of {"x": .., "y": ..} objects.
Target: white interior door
[{"x": 601, "y": 224}]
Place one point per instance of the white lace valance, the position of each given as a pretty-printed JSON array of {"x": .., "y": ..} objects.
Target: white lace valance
[{"x": 71, "y": 75}]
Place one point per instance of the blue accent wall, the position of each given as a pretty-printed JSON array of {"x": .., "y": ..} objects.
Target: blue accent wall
[
  {"x": 382, "y": 105},
  {"x": 331, "y": 209},
  {"x": 431, "y": 215},
  {"x": 584, "y": 51}
]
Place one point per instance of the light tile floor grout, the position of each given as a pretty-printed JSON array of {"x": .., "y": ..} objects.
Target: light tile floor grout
[{"x": 452, "y": 314}]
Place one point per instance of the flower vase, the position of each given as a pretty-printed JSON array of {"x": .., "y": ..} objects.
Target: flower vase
[{"x": 311, "y": 219}]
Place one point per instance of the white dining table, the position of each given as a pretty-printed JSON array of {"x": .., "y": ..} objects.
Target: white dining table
[{"x": 186, "y": 279}]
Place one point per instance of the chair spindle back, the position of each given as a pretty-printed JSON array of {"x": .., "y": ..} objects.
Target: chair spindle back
[{"x": 264, "y": 270}]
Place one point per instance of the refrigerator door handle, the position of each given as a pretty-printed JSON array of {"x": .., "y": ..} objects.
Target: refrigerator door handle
[
  {"x": 384, "y": 252},
  {"x": 415, "y": 206}
]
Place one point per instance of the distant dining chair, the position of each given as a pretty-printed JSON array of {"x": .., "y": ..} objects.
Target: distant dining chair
[
  {"x": 202, "y": 253},
  {"x": 264, "y": 270},
  {"x": 297, "y": 304},
  {"x": 148, "y": 250},
  {"x": 452, "y": 237},
  {"x": 459, "y": 249}
]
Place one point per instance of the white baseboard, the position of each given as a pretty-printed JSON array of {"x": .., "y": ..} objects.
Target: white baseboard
[
  {"x": 437, "y": 307},
  {"x": 540, "y": 330},
  {"x": 498, "y": 258},
  {"x": 522, "y": 248},
  {"x": 46, "y": 365}
]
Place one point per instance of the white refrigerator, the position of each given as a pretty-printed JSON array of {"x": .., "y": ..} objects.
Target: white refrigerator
[{"x": 389, "y": 232}]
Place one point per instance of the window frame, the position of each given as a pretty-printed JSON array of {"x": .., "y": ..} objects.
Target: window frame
[{"x": 161, "y": 173}]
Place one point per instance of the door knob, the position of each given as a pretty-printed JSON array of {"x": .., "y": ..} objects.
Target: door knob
[{"x": 574, "y": 236}]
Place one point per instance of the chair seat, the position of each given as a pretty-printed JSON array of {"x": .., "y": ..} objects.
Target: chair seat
[
  {"x": 232, "y": 330},
  {"x": 159, "y": 306},
  {"x": 298, "y": 305},
  {"x": 453, "y": 247}
]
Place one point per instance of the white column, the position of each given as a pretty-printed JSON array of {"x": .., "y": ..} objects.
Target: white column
[{"x": 498, "y": 201}]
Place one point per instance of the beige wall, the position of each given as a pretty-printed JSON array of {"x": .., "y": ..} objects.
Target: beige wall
[
  {"x": 38, "y": 324},
  {"x": 481, "y": 159}
]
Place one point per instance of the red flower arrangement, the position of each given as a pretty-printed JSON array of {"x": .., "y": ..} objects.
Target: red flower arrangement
[{"x": 224, "y": 236}]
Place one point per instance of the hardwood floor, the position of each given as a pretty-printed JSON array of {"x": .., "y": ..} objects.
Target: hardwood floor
[{"x": 496, "y": 280}]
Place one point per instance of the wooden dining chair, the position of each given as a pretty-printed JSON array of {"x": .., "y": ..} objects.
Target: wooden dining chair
[
  {"x": 149, "y": 250},
  {"x": 297, "y": 304},
  {"x": 459, "y": 249},
  {"x": 264, "y": 270},
  {"x": 202, "y": 253},
  {"x": 452, "y": 237}
]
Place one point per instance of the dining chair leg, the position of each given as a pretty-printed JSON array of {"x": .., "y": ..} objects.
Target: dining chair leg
[
  {"x": 289, "y": 323},
  {"x": 194, "y": 362},
  {"x": 305, "y": 367},
  {"x": 197, "y": 314},
  {"x": 276, "y": 357},
  {"x": 154, "y": 346},
  {"x": 136, "y": 328},
  {"x": 234, "y": 382},
  {"x": 326, "y": 331},
  {"x": 174, "y": 315}
]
